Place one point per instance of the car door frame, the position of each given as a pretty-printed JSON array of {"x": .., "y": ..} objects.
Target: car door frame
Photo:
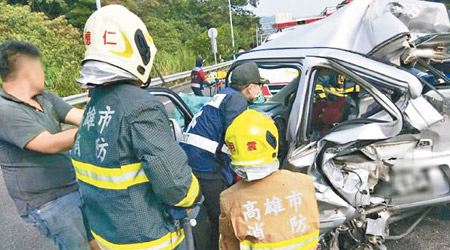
[
  {"x": 275, "y": 63},
  {"x": 175, "y": 99},
  {"x": 298, "y": 126}
]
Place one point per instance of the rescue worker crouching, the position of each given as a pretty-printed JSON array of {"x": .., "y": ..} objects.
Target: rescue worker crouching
[
  {"x": 204, "y": 138},
  {"x": 269, "y": 208},
  {"x": 129, "y": 167}
]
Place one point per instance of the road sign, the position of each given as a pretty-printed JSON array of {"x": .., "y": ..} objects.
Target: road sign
[
  {"x": 214, "y": 45},
  {"x": 212, "y": 33}
]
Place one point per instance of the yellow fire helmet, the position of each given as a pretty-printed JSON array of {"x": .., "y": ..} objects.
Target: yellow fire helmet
[
  {"x": 252, "y": 139},
  {"x": 116, "y": 36}
]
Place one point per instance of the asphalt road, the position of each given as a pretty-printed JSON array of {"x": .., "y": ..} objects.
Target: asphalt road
[
  {"x": 14, "y": 233},
  {"x": 433, "y": 233}
]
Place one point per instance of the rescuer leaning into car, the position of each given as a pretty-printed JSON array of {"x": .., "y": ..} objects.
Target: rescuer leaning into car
[
  {"x": 335, "y": 101},
  {"x": 204, "y": 138},
  {"x": 269, "y": 208}
]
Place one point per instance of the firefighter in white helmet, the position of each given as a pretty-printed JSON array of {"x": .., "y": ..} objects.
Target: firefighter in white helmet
[
  {"x": 269, "y": 208},
  {"x": 130, "y": 169}
]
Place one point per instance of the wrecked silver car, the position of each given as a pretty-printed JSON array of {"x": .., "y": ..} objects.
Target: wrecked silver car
[{"x": 365, "y": 114}]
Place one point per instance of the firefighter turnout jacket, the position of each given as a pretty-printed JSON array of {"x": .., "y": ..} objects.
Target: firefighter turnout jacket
[
  {"x": 335, "y": 85},
  {"x": 130, "y": 170},
  {"x": 287, "y": 217}
]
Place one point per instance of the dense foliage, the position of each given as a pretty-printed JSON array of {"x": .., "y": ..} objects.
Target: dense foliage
[
  {"x": 60, "y": 43},
  {"x": 179, "y": 28}
]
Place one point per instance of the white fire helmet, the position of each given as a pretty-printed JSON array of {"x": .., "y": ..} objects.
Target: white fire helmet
[{"x": 116, "y": 36}]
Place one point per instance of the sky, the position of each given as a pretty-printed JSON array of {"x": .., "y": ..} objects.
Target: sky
[{"x": 298, "y": 8}]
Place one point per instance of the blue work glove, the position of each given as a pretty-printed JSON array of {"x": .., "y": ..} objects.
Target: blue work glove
[{"x": 177, "y": 213}]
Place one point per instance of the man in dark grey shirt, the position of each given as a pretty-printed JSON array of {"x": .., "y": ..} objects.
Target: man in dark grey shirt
[{"x": 34, "y": 154}]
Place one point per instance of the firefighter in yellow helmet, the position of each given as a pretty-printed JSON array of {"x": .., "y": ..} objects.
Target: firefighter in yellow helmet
[
  {"x": 335, "y": 101},
  {"x": 130, "y": 169},
  {"x": 269, "y": 208}
]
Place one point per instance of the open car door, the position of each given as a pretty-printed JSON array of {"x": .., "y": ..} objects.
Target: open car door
[{"x": 179, "y": 113}]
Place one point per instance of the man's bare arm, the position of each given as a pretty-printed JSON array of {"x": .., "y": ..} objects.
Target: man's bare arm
[
  {"x": 74, "y": 117},
  {"x": 52, "y": 143}
]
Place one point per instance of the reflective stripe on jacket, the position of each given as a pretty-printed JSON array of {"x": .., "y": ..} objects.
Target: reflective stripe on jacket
[
  {"x": 168, "y": 241},
  {"x": 335, "y": 85},
  {"x": 287, "y": 217},
  {"x": 203, "y": 140},
  {"x": 130, "y": 169}
]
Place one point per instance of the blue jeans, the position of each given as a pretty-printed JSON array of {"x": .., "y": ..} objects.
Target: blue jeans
[{"x": 62, "y": 221}]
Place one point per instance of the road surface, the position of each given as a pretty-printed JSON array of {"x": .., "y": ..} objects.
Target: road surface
[{"x": 14, "y": 233}]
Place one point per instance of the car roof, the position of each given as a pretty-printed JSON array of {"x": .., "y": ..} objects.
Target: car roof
[
  {"x": 402, "y": 78},
  {"x": 361, "y": 27}
]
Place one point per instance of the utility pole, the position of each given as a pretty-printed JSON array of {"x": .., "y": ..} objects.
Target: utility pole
[
  {"x": 232, "y": 30},
  {"x": 257, "y": 36},
  {"x": 98, "y": 4}
]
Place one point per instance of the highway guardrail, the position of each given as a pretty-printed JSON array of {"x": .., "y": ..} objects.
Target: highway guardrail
[{"x": 82, "y": 98}]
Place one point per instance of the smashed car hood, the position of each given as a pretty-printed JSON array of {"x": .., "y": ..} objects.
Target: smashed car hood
[{"x": 366, "y": 25}]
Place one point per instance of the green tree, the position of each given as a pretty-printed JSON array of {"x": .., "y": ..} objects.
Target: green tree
[
  {"x": 60, "y": 43},
  {"x": 52, "y": 8},
  {"x": 77, "y": 11},
  {"x": 179, "y": 29},
  {"x": 80, "y": 12},
  {"x": 165, "y": 34},
  {"x": 173, "y": 55},
  {"x": 193, "y": 17},
  {"x": 202, "y": 44}
]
